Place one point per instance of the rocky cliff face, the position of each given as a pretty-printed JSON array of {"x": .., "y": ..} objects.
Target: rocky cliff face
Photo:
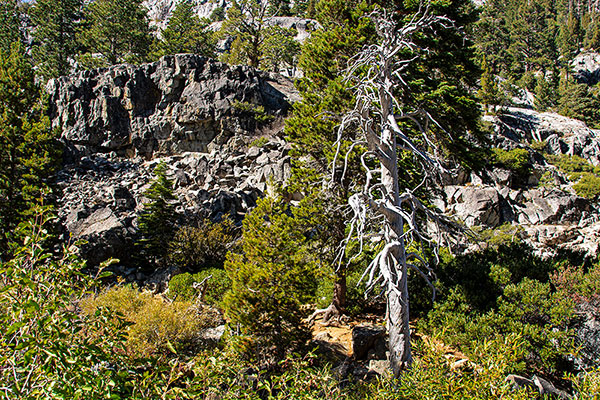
[
  {"x": 180, "y": 103},
  {"x": 542, "y": 203},
  {"x": 201, "y": 117}
]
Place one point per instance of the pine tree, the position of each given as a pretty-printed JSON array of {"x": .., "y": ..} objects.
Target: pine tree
[
  {"x": 279, "y": 49},
  {"x": 186, "y": 33},
  {"x": 545, "y": 93},
  {"x": 488, "y": 92},
  {"x": 118, "y": 29},
  {"x": 27, "y": 147},
  {"x": 569, "y": 34},
  {"x": 575, "y": 100},
  {"x": 271, "y": 278},
  {"x": 245, "y": 23},
  {"x": 280, "y": 8},
  {"x": 10, "y": 25},
  {"x": 312, "y": 127},
  {"x": 156, "y": 222},
  {"x": 57, "y": 25}
]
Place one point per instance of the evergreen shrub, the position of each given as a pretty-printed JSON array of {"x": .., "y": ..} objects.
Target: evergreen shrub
[
  {"x": 516, "y": 160},
  {"x": 528, "y": 308},
  {"x": 156, "y": 221}
]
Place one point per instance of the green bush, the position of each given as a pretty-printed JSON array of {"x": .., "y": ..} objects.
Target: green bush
[
  {"x": 437, "y": 375},
  {"x": 569, "y": 164},
  {"x": 218, "y": 284},
  {"x": 588, "y": 185},
  {"x": 538, "y": 145},
  {"x": 586, "y": 384},
  {"x": 528, "y": 309},
  {"x": 260, "y": 142},
  {"x": 580, "y": 171},
  {"x": 504, "y": 235},
  {"x": 547, "y": 180},
  {"x": 516, "y": 160},
  {"x": 202, "y": 246},
  {"x": 181, "y": 286},
  {"x": 256, "y": 111},
  {"x": 48, "y": 350}
]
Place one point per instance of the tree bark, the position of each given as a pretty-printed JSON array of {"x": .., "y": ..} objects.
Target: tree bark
[
  {"x": 397, "y": 296},
  {"x": 340, "y": 290}
]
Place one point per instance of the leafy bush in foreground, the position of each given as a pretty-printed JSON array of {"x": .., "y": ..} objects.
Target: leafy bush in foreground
[{"x": 47, "y": 348}]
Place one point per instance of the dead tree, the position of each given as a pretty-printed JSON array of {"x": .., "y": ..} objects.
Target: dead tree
[{"x": 379, "y": 73}]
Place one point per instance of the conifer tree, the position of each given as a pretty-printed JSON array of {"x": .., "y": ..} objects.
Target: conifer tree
[
  {"x": 118, "y": 29},
  {"x": 57, "y": 25},
  {"x": 488, "y": 92},
  {"x": 279, "y": 49},
  {"x": 186, "y": 33},
  {"x": 569, "y": 34},
  {"x": 271, "y": 278},
  {"x": 576, "y": 101},
  {"x": 245, "y": 23},
  {"x": 545, "y": 93},
  {"x": 27, "y": 149},
  {"x": 156, "y": 221},
  {"x": 10, "y": 25},
  {"x": 255, "y": 40},
  {"x": 312, "y": 127}
]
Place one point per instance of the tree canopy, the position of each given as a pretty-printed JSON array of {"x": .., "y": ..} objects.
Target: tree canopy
[
  {"x": 118, "y": 30},
  {"x": 27, "y": 148},
  {"x": 57, "y": 26},
  {"x": 186, "y": 33}
]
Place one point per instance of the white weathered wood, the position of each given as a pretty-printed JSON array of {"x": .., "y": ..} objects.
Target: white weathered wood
[{"x": 376, "y": 112}]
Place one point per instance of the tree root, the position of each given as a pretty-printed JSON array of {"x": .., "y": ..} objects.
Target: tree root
[{"x": 332, "y": 316}]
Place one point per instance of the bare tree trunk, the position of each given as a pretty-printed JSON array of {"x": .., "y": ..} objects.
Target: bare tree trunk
[
  {"x": 377, "y": 112},
  {"x": 340, "y": 290},
  {"x": 397, "y": 291}
]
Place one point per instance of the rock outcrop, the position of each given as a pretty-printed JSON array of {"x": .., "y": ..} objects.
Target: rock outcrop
[
  {"x": 180, "y": 103},
  {"x": 543, "y": 203},
  {"x": 216, "y": 128},
  {"x": 586, "y": 66}
]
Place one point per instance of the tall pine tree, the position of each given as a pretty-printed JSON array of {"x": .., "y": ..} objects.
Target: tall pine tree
[
  {"x": 56, "y": 27},
  {"x": 27, "y": 145},
  {"x": 186, "y": 33},
  {"x": 10, "y": 25},
  {"x": 118, "y": 29}
]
